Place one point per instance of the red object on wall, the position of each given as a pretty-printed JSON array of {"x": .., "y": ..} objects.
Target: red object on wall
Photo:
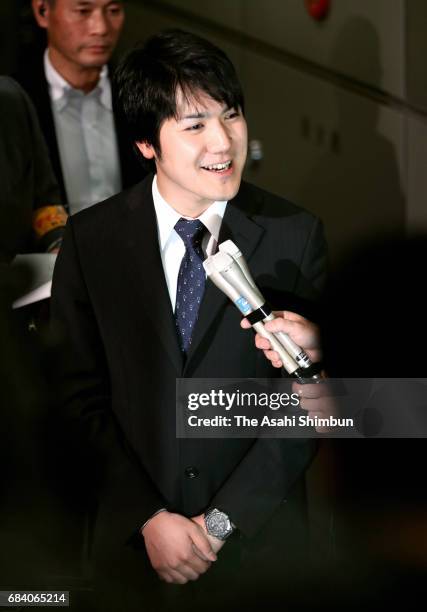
[{"x": 318, "y": 9}]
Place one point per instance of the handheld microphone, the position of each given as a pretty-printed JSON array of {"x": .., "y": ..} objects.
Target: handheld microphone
[
  {"x": 293, "y": 349},
  {"x": 219, "y": 279},
  {"x": 230, "y": 273}
]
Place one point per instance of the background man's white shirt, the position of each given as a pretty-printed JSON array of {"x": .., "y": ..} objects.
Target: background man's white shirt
[{"x": 84, "y": 125}]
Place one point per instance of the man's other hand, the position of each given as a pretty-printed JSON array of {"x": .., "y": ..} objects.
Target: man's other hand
[{"x": 177, "y": 547}]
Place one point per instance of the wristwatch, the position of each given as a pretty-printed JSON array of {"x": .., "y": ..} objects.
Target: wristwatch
[{"x": 218, "y": 524}]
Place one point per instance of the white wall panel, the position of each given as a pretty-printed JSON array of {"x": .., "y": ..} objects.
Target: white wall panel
[
  {"x": 338, "y": 154},
  {"x": 416, "y": 52},
  {"x": 363, "y": 39},
  {"x": 225, "y": 12}
]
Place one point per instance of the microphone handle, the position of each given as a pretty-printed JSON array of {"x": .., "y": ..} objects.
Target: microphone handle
[
  {"x": 289, "y": 363},
  {"x": 307, "y": 371},
  {"x": 304, "y": 375},
  {"x": 296, "y": 352}
]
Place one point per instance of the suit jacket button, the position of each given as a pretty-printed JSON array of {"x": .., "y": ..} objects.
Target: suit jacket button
[{"x": 191, "y": 472}]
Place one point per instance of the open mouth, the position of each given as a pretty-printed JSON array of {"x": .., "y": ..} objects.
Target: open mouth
[{"x": 219, "y": 168}]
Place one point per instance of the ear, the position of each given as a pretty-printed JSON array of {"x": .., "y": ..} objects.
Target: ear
[
  {"x": 146, "y": 149},
  {"x": 41, "y": 11}
]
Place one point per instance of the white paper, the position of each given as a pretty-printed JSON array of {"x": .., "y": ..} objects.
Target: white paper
[
  {"x": 41, "y": 266},
  {"x": 41, "y": 293}
]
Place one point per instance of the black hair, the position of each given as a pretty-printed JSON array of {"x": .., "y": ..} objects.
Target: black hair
[{"x": 149, "y": 77}]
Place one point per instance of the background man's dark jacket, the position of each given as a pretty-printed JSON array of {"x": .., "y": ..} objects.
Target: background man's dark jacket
[{"x": 26, "y": 176}]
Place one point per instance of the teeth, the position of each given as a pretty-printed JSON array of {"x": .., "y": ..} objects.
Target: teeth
[{"x": 223, "y": 166}]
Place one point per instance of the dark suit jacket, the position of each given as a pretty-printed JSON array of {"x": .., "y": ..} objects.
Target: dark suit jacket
[
  {"x": 26, "y": 176},
  {"x": 122, "y": 358},
  {"x": 33, "y": 80}
]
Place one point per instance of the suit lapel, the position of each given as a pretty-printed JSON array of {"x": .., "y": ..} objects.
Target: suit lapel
[
  {"x": 40, "y": 96},
  {"x": 246, "y": 234},
  {"x": 147, "y": 268}
]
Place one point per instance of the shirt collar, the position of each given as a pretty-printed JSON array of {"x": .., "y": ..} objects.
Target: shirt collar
[
  {"x": 60, "y": 88},
  {"x": 167, "y": 216}
]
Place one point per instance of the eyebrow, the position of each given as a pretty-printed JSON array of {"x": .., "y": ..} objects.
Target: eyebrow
[
  {"x": 193, "y": 116},
  {"x": 202, "y": 115},
  {"x": 89, "y": 3}
]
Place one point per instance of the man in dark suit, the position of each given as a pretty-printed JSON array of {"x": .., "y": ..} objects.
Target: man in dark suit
[
  {"x": 129, "y": 290},
  {"x": 70, "y": 87}
]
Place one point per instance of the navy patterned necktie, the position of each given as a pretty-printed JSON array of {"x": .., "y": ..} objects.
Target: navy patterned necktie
[{"x": 191, "y": 280}]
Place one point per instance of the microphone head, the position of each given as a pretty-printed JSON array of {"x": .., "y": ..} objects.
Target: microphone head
[
  {"x": 216, "y": 277},
  {"x": 229, "y": 247},
  {"x": 221, "y": 261},
  {"x": 233, "y": 250},
  {"x": 246, "y": 297}
]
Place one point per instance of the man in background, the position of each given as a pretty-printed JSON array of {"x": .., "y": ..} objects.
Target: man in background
[{"x": 71, "y": 90}]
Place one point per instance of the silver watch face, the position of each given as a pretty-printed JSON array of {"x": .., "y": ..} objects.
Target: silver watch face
[{"x": 218, "y": 524}]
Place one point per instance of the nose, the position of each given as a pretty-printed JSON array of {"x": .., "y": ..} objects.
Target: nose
[
  {"x": 219, "y": 138},
  {"x": 98, "y": 23}
]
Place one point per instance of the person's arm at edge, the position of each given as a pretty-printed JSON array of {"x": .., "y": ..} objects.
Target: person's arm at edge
[{"x": 49, "y": 216}]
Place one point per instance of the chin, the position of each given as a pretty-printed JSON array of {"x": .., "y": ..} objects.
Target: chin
[
  {"x": 230, "y": 191},
  {"x": 99, "y": 64},
  {"x": 96, "y": 61}
]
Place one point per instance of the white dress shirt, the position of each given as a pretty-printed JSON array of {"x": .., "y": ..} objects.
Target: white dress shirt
[
  {"x": 172, "y": 247},
  {"x": 84, "y": 125}
]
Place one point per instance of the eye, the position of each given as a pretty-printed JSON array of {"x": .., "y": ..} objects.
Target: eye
[
  {"x": 194, "y": 128},
  {"x": 115, "y": 10},
  {"x": 232, "y": 114},
  {"x": 84, "y": 12}
]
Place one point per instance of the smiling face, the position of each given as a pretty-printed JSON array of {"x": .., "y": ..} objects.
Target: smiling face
[
  {"x": 202, "y": 154},
  {"x": 81, "y": 34}
]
